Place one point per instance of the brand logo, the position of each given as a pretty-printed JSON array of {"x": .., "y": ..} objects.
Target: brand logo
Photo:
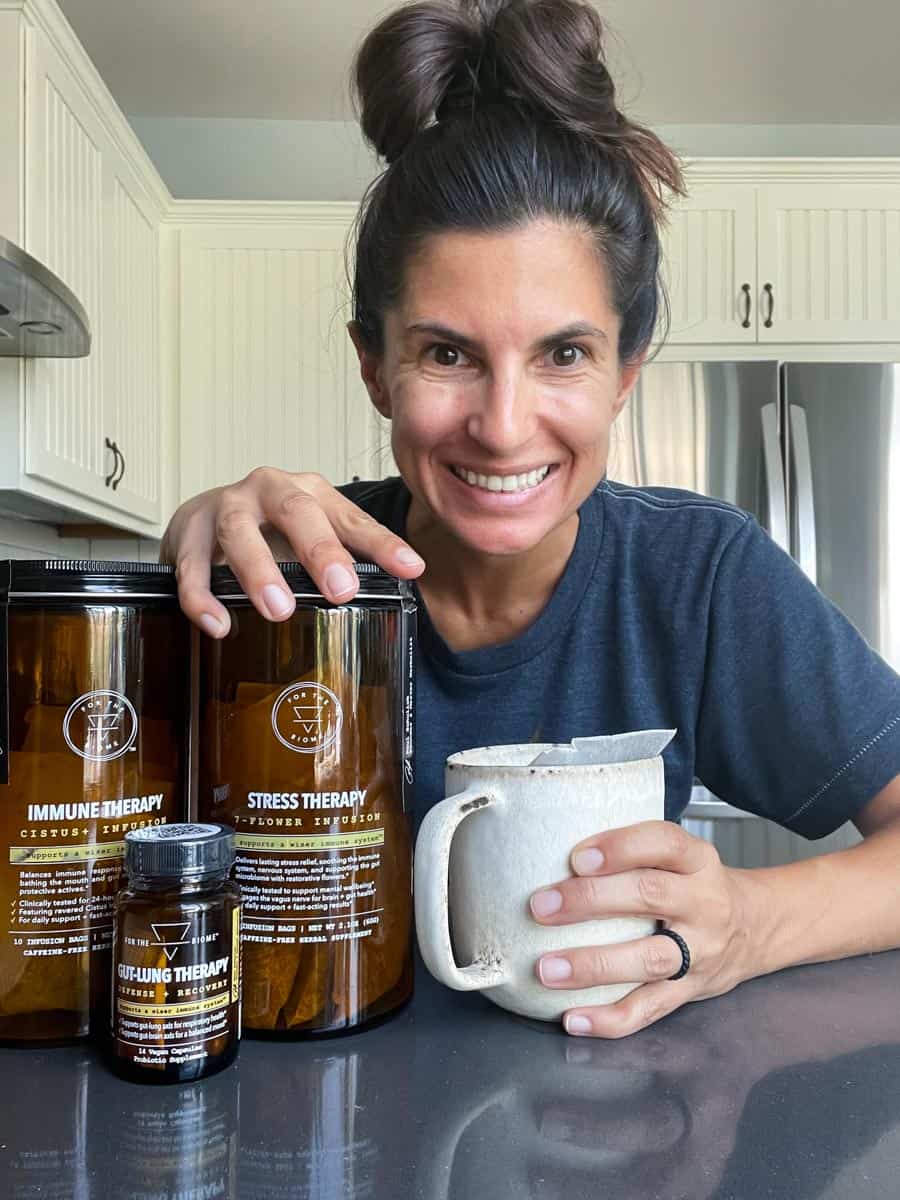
[
  {"x": 307, "y": 717},
  {"x": 100, "y": 726},
  {"x": 170, "y": 935}
]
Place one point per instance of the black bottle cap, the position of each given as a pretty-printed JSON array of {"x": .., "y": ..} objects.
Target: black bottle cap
[{"x": 176, "y": 851}]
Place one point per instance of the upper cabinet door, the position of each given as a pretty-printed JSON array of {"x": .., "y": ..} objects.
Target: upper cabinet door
[
  {"x": 268, "y": 374},
  {"x": 65, "y": 150},
  {"x": 131, "y": 357},
  {"x": 829, "y": 263},
  {"x": 709, "y": 265}
]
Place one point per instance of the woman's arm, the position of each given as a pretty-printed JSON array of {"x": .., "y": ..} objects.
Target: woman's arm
[{"x": 838, "y": 904}]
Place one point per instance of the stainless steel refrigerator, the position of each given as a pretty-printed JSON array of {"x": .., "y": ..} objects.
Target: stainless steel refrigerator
[{"x": 813, "y": 451}]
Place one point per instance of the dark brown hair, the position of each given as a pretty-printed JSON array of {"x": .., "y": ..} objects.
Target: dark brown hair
[{"x": 489, "y": 114}]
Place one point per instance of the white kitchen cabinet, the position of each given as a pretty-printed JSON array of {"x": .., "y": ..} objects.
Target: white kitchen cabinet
[
  {"x": 709, "y": 265},
  {"x": 64, "y": 155},
  {"x": 131, "y": 354},
  {"x": 829, "y": 263},
  {"x": 268, "y": 373},
  {"x": 769, "y": 262},
  {"x": 88, "y": 214}
]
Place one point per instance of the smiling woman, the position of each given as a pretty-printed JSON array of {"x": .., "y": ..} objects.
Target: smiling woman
[{"x": 506, "y": 293}]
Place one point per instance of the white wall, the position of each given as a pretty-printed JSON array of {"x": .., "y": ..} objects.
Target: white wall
[
  {"x": 219, "y": 159},
  {"x": 29, "y": 539}
]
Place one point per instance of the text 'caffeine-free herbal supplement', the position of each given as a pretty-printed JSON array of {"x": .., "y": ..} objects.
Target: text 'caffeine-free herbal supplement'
[
  {"x": 94, "y": 662},
  {"x": 176, "y": 1011},
  {"x": 306, "y": 750}
]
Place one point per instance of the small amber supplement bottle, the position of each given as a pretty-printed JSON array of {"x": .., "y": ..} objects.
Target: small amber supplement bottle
[{"x": 176, "y": 990}]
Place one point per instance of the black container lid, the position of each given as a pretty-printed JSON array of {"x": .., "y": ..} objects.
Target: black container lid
[
  {"x": 77, "y": 578},
  {"x": 374, "y": 583},
  {"x": 178, "y": 851}
]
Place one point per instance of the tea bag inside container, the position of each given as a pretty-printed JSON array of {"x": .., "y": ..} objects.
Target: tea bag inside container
[{"x": 603, "y": 750}]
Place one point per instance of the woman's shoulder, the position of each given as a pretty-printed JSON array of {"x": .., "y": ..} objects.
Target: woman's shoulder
[
  {"x": 673, "y": 513},
  {"x": 668, "y": 532}
]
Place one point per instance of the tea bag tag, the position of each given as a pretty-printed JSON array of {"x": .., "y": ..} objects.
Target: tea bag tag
[{"x": 608, "y": 749}]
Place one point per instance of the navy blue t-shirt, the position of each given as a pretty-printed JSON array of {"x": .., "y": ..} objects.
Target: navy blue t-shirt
[{"x": 674, "y": 611}]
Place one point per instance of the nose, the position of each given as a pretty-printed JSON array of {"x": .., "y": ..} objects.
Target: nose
[{"x": 503, "y": 417}]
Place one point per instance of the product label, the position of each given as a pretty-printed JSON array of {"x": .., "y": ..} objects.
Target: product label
[
  {"x": 61, "y": 886},
  {"x": 176, "y": 985},
  {"x": 306, "y": 888}
]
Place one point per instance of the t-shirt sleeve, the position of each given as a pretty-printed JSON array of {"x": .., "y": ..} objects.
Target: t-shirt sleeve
[{"x": 799, "y": 718}]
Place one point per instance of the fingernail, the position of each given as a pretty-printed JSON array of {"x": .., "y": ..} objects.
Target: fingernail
[
  {"x": 213, "y": 626},
  {"x": 544, "y": 904},
  {"x": 277, "y": 601},
  {"x": 339, "y": 580},
  {"x": 555, "y": 970},
  {"x": 409, "y": 558},
  {"x": 577, "y": 1024},
  {"x": 586, "y": 862}
]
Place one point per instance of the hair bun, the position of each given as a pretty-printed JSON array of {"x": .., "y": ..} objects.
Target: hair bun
[
  {"x": 438, "y": 59},
  {"x": 404, "y": 68}
]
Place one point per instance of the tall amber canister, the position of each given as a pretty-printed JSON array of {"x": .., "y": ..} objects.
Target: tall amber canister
[
  {"x": 94, "y": 673},
  {"x": 306, "y": 750}
]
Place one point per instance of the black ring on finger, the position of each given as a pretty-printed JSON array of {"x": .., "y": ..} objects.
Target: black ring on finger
[{"x": 685, "y": 952}]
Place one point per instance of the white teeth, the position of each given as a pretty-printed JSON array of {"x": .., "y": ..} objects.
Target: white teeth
[{"x": 502, "y": 483}]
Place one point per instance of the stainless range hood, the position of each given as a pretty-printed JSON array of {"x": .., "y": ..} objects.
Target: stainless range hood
[{"x": 39, "y": 316}]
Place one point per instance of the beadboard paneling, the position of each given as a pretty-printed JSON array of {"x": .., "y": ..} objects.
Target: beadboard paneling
[
  {"x": 833, "y": 267},
  {"x": 709, "y": 252},
  {"x": 132, "y": 361},
  {"x": 64, "y": 436},
  {"x": 268, "y": 375}
]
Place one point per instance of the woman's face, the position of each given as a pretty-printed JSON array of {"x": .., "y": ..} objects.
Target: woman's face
[{"x": 501, "y": 377}]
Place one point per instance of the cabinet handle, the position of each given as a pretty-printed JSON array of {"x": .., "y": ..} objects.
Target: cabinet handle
[
  {"x": 747, "y": 305},
  {"x": 767, "y": 288},
  {"x": 115, "y": 449},
  {"x": 118, "y": 478}
]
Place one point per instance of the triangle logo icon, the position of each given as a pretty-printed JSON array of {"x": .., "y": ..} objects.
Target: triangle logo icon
[{"x": 170, "y": 935}]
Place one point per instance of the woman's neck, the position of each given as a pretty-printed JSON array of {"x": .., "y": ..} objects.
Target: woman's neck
[{"x": 476, "y": 600}]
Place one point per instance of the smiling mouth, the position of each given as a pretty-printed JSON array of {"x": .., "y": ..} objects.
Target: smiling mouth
[{"x": 503, "y": 483}]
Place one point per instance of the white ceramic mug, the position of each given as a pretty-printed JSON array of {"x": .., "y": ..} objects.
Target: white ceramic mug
[{"x": 507, "y": 829}]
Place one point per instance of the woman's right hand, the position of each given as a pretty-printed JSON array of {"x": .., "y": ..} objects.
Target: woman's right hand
[{"x": 300, "y": 516}]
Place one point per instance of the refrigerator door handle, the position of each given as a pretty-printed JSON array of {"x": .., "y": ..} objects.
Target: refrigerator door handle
[
  {"x": 806, "y": 512},
  {"x": 778, "y": 529}
]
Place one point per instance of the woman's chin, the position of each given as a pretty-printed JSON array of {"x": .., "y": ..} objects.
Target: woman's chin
[{"x": 506, "y": 539}]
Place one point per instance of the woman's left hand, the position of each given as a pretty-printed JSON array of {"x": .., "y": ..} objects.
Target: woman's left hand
[{"x": 654, "y": 869}]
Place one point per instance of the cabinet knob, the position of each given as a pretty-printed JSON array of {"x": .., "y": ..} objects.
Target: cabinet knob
[
  {"x": 748, "y": 302},
  {"x": 767, "y": 288}
]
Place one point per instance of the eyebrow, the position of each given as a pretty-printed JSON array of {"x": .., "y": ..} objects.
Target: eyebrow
[{"x": 578, "y": 329}]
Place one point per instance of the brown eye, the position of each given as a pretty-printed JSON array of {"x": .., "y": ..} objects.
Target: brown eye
[
  {"x": 567, "y": 356},
  {"x": 446, "y": 356}
]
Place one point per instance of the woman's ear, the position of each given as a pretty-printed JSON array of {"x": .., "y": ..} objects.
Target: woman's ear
[{"x": 370, "y": 369}]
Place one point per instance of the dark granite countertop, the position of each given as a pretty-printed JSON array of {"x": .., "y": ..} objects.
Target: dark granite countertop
[{"x": 787, "y": 1087}]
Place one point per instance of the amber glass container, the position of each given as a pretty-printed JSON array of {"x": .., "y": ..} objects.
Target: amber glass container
[
  {"x": 176, "y": 998},
  {"x": 306, "y": 750},
  {"x": 94, "y": 661}
]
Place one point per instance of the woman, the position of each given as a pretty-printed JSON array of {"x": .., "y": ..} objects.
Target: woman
[{"x": 506, "y": 292}]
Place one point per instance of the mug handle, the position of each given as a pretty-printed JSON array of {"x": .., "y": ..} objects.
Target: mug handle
[{"x": 432, "y": 893}]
